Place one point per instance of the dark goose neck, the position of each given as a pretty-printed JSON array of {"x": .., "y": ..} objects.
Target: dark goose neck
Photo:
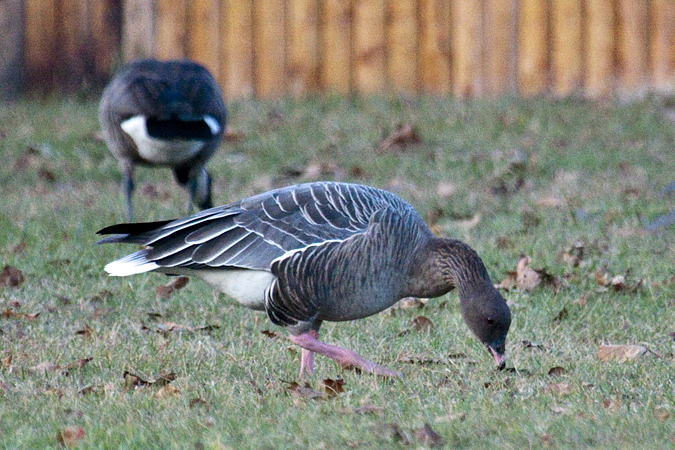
[{"x": 444, "y": 264}]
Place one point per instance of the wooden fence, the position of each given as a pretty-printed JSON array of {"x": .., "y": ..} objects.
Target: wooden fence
[{"x": 264, "y": 48}]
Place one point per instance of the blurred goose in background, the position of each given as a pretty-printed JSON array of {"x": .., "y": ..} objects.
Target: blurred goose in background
[
  {"x": 164, "y": 113},
  {"x": 320, "y": 251}
]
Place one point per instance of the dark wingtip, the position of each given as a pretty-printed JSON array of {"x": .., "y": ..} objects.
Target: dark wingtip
[{"x": 132, "y": 228}]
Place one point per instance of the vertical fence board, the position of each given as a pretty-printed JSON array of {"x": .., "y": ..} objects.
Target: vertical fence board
[
  {"x": 237, "y": 51},
  {"x": 40, "y": 44},
  {"x": 402, "y": 43},
  {"x": 104, "y": 35},
  {"x": 11, "y": 48},
  {"x": 269, "y": 37},
  {"x": 303, "y": 57},
  {"x": 204, "y": 34},
  {"x": 533, "y": 47},
  {"x": 633, "y": 46},
  {"x": 336, "y": 45},
  {"x": 434, "y": 46},
  {"x": 566, "y": 49},
  {"x": 663, "y": 45},
  {"x": 138, "y": 29},
  {"x": 369, "y": 46},
  {"x": 72, "y": 18},
  {"x": 499, "y": 32},
  {"x": 599, "y": 51},
  {"x": 466, "y": 37},
  {"x": 171, "y": 34}
]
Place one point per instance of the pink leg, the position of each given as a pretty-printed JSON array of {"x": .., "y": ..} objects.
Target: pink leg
[
  {"x": 346, "y": 358},
  {"x": 307, "y": 358}
]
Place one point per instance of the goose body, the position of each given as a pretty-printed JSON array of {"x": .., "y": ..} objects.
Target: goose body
[
  {"x": 315, "y": 252},
  {"x": 164, "y": 113}
]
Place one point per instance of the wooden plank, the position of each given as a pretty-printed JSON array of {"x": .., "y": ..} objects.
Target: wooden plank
[
  {"x": 533, "y": 64},
  {"x": 40, "y": 45},
  {"x": 566, "y": 48},
  {"x": 303, "y": 46},
  {"x": 171, "y": 34},
  {"x": 600, "y": 47},
  {"x": 237, "y": 48},
  {"x": 204, "y": 34},
  {"x": 663, "y": 45},
  {"x": 138, "y": 29},
  {"x": 499, "y": 40},
  {"x": 11, "y": 50},
  {"x": 105, "y": 36},
  {"x": 72, "y": 19},
  {"x": 336, "y": 46},
  {"x": 269, "y": 57},
  {"x": 633, "y": 47},
  {"x": 434, "y": 46},
  {"x": 402, "y": 43},
  {"x": 466, "y": 37},
  {"x": 369, "y": 46}
]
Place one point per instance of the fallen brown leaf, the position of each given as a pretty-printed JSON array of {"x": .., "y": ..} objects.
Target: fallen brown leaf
[
  {"x": 422, "y": 323},
  {"x": 272, "y": 334},
  {"x": 526, "y": 278},
  {"x": 195, "y": 402},
  {"x": 70, "y": 436},
  {"x": 167, "y": 391},
  {"x": 11, "y": 276},
  {"x": 547, "y": 440},
  {"x": 411, "y": 303},
  {"x": 613, "y": 404},
  {"x": 333, "y": 387},
  {"x": 559, "y": 388},
  {"x": 166, "y": 291},
  {"x": 11, "y": 314},
  {"x": 427, "y": 436},
  {"x": 19, "y": 248},
  {"x": 304, "y": 391},
  {"x": 557, "y": 371},
  {"x": 399, "y": 139},
  {"x": 86, "y": 331},
  {"x": 233, "y": 136},
  {"x": 44, "y": 367},
  {"x": 620, "y": 353}
]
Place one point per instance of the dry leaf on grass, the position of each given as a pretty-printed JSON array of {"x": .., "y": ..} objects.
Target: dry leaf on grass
[
  {"x": 86, "y": 331},
  {"x": 620, "y": 353},
  {"x": 195, "y": 402},
  {"x": 304, "y": 391},
  {"x": 167, "y": 290},
  {"x": 272, "y": 334},
  {"x": 559, "y": 388},
  {"x": 333, "y": 387},
  {"x": 11, "y": 314},
  {"x": 525, "y": 278},
  {"x": 70, "y": 436},
  {"x": 427, "y": 436},
  {"x": 403, "y": 136},
  {"x": 167, "y": 391},
  {"x": 411, "y": 303},
  {"x": 557, "y": 371},
  {"x": 163, "y": 379},
  {"x": 422, "y": 323},
  {"x": 11, "y": 276}
]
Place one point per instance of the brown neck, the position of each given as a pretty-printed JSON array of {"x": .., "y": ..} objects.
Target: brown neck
[{"x": 446, "y": 264}]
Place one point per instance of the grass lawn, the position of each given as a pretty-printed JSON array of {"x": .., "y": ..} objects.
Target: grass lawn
[{"x": 570, "y": 184}]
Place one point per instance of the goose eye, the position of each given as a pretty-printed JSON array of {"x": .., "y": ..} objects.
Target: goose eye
[{"x": 490, "y": 321}]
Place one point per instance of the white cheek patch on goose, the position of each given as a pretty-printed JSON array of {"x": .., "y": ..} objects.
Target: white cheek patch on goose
[
  {"x": 161, "y": 151},
  {"x": 213, "y": 124}
]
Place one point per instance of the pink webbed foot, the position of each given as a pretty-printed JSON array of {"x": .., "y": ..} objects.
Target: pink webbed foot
[{"x": 347, "y": 359}]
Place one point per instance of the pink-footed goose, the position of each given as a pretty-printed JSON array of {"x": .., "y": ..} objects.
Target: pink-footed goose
[{"x": 320, "y": 251}]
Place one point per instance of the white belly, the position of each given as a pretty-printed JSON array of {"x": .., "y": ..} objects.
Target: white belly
[
  {"x": 245, "y": 286},
  {"x": 159, "y": 151}
]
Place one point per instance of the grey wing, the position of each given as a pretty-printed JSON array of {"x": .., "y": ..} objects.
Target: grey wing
[{"x": 255, "y": 231}]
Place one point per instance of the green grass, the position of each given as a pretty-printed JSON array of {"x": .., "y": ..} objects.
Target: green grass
[{"x": 537, "y": 175}]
